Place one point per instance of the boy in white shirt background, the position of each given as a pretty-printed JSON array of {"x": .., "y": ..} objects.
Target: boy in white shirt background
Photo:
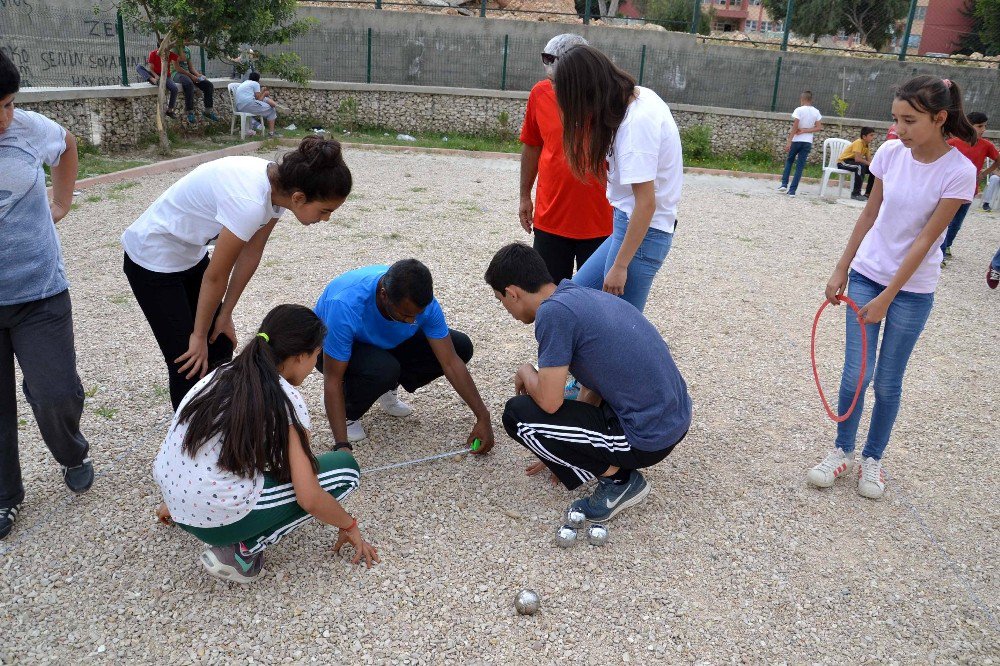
[{"x": 805, "y": 121}]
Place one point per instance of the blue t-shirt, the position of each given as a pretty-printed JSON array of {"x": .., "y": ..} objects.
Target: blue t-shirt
[
  {"x": 347, "y": 307},
  {"x": 31, "y": 264},
  {"x": 611, "y": 348}
]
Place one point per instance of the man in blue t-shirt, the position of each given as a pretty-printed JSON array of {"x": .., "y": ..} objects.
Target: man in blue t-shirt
[
  {"x": 385, "y": 329},
  {"x": 634, "y": 407},
  {"x": 36, "y": 319}
]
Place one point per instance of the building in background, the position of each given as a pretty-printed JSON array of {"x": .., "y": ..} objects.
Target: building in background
[{"x": 938, "y": 27}]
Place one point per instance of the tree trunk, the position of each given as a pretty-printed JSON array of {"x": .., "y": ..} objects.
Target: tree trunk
[
  {"x": 613, "y": 8},
  {"x": 161, "y": 93},
  {"x": 602, "y": 6}
]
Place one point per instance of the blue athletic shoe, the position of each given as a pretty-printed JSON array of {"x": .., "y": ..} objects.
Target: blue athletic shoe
[
  {"x": 572, "y": 390},
  {"x": 609, "y": 499}
]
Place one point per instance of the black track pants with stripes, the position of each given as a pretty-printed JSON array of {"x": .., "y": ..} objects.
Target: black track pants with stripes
[{"x": 579, "y": 442}]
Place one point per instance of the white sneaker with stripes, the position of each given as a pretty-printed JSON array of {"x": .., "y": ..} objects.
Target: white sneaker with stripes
[
  {"x": 871, "y": 478},
  {"x": 836, "y": 464},
  {"x": 355, "y": 431},
  {"x": 392, "y": 405}
]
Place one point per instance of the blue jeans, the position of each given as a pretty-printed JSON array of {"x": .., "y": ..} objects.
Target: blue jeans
[
  {"x": 904, "y": 321},
  {"x": 955, "y": 225},
  {"x": 798, "y": 154},
  {"x": 641, "y": 270},
  {"x": 996, "y": 261}
]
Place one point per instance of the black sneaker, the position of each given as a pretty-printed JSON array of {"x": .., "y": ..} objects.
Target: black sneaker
[
  {"x": 170, "y": 113},
  {"x": 609, "y": 498},
  {"x": 7, "y": 517},
  {"x": 232, "y": 563},
  {"x": 79, "y": 479}
]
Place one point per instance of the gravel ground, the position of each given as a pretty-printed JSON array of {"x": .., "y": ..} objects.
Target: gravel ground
[{"x": 731, "y": 559}]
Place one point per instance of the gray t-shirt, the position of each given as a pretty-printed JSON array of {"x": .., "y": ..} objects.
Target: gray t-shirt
[
  {"x": 611, "y": 348},
  {"x": 31, "y": 265}
]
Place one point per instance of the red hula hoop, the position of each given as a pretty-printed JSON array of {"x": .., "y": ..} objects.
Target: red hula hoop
[{"x": 864, "y": 360}]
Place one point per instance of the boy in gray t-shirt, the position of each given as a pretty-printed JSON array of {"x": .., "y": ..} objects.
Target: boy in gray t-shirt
[
  {"x": 634, "y": 407},
  {"x": 36, "y": 323}
]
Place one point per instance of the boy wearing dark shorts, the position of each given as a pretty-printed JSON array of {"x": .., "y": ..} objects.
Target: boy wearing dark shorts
[{"x": 634, "y": 407}]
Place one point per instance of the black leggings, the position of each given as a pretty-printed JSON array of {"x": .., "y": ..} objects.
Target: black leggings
[
  {"x": 373, "y": 371},
  {"x": 577, "y": 443},
  {"x": 560, "y": 253},
  {"x": 170, "y": 302},
  {"x": 860, "y": 171},
  {"x": 206, "y": 88}
]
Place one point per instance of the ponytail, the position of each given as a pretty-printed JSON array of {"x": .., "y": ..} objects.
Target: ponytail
[
  {"x": 932, "y": 95},
  {"x": 245, "y": 404},
  {"x": 317, "y": 169}
]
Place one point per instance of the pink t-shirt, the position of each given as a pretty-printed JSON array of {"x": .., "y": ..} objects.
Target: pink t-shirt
[{"x": 911, "y": 190}]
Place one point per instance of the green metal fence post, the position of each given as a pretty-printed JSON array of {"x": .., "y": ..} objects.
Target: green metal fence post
[
  {"x": 788, "y": 24},
  {"x": 378, "y": 4},
  {"x": 906, "y": 33},
  {"x": 777, "y": 78},
  {"x": 120, "y": 29},
  {"x": 204, "y": 64},
  {"x": 368, "y": 76},
  {"x": 482, "y": 9},
  {"x": 503, "y": 73},
  {"x": 586, "y": 12},
  {"x": 696, "y": 17},
  {"x": 642, "y": 63}
]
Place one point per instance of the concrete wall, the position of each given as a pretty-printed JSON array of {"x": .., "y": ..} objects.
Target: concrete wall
[
  {"x": 457, "y": 51},
  {"x": 116, "y": 118}
]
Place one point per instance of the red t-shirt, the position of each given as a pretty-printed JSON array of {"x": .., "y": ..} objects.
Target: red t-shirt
[
  {"x": 564, "y": 205},
  {"x": 976, "y": 154},
  {"x": 154, "y": 60}
]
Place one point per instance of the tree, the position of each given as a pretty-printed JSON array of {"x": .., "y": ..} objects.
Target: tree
[
  {"x": 986, "y": 15},
  {"x": 809, "y": 17},
  {"x": 873, "y": 20},
  {"x": 676, "y": 15},
  {"x": 219, "y": 27}
]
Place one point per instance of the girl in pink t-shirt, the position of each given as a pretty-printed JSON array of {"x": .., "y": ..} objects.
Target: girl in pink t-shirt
[{"x": 893, "y": 262}]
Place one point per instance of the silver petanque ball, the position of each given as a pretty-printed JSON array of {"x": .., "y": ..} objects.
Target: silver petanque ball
[
  {"x": 565, "y": 536},
  {"x": 575, "y": 518},
  {"x": 597, "y": 535},
  {"x": 527, "y": 602}
]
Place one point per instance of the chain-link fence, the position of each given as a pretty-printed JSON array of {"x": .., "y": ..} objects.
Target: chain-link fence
[{"x": 393, "y": 48}]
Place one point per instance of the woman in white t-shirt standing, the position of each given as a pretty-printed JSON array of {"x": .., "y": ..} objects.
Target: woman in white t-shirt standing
[
  {"x": 239, "y": 200},
  {"x": 236, "y": 470},
  {"x": 613, "y": 128},
  {"x": 893, "y": 262}
]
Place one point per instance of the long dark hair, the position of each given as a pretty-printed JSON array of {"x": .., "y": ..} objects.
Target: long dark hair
[
  {"x": 931, "y": 94},
  {"x": 245, "y": 404},
  {"x": 317, "y": 169},
  {"x": 593, "y": 94}
]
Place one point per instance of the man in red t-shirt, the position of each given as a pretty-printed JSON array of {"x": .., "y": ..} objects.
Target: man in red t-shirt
[
  {"x": 151, "y": 74},
  {"x": 977, "y": 154},
  {"x": 570, "y": 217}
]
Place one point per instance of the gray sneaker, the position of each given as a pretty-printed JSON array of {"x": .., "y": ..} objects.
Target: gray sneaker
[
  {"x": 79, "y": 479},
  {"x": 232, "y": 563},
  {"x": 610, "y": 499}
]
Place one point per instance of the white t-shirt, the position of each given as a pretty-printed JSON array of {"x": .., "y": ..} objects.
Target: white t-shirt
[
  {"x": 245, "y": 93},
  {"x": 647, "y": 148},
  {"x": 173, "y": 234},
  {"x": 807, "y": 116},
  {"x": 196, "y": 491},
  {"x": 911, "y": 190}
]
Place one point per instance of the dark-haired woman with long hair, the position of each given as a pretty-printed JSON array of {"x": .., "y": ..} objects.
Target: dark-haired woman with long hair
[
  {"x": 189, "y": 298},
  {"x": 892, "y": 264},
  {"x": 615, "y": 129},
  {"x": 236, "y": 470}
]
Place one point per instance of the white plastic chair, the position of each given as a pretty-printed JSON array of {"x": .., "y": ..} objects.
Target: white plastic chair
[
  {"x": 832, "y": 148},
  {"x": 244, "y": 117}
]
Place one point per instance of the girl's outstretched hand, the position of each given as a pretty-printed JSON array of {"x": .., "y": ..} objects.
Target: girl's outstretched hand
[
  {"x": 163, "y": 514},
  {"x": 362, "y": 549},
  {"x": 836, "y": 286},
  {"x": 614, "y": 281},
  {"x": 874, "y": 311},
  {"x": 194, "y": 362}
]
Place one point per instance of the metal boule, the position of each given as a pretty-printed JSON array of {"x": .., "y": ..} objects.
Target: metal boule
[
  {"x": 575, "y": 518},
  {"x": 566, "y": 536},
  {"x": 597, "y": 535},
  {"x": 527, "y": 602}
]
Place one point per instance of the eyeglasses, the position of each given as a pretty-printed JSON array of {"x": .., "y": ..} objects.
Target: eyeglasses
[{"x": 549, "y": 59}]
